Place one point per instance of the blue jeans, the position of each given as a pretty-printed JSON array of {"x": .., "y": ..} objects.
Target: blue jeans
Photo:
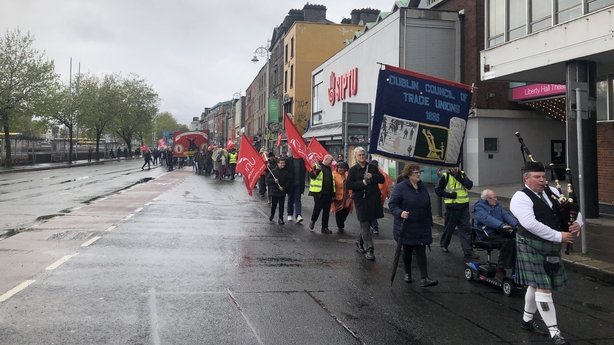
[
  {"x": 375, "y": 224},
  {"x": 294, "y": 202}
]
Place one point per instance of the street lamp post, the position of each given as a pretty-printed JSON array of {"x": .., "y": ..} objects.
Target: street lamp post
[{"x": 264, "y": 52}]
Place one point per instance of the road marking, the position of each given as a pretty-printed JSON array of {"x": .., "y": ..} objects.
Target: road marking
[
  {"x": 147, "y": 204},
  {"x": 105, "y": 198},
  {"x": 128, "y": 216},
  {"x": 15, "y": 290},
  {"x": 111, "y": 228},
  {"x": 153, "y": 317},
  {"x": 59, "y": 262},
  {"x": 92, "y": 240},
  {"x": 138, "y": 210},
  {"x": 76, "y": 208}
]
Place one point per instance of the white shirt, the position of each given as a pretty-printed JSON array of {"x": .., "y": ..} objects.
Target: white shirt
[{"x": 522, "y": 208}]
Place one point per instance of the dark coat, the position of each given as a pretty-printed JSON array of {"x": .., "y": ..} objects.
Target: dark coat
[
  {"x": 283, "y": 176},
  {"x": 301, "y": 170},
  {"x": 492, "y": 218},
  {"x": 366, "y": 198},
  {"x": 419, "y": 224}
]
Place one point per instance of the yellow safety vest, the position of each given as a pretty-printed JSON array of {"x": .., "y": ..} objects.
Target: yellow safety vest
[
  {"x": 462, "y": 197},
  {"x": 315, "y": 185},
  {"x": 232, "y": 158}
]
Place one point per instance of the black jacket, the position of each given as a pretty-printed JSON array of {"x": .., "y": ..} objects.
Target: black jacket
[
  {"x": 366, "y": 198},
  {"x": 283, "y": 177},
  {"x": 302, "y": 172}
]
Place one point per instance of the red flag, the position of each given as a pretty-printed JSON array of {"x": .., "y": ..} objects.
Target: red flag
[
  {"x": 296, "y": 142},
  {"x": 249, "y": 164},
  {"x": 279, "y": 139},
  {"x": 316, "y": 152}
]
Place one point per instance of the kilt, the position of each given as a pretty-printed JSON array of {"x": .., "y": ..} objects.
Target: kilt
[{"x": 530, "y": 264}]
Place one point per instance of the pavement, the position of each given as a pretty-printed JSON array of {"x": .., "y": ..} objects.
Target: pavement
[{"x": 597, "y": 262}]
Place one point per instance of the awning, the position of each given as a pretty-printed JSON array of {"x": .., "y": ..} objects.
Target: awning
[{"x": 329, "y": 131}]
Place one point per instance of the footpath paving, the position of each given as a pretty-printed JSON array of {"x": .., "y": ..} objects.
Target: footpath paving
[{"x": 597, "y": 263}]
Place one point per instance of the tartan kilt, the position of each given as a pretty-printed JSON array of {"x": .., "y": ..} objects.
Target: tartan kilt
[{"x": 530, "y": 269}]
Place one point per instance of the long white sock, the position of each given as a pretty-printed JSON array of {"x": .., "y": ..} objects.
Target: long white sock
[
  {"x": 545, "y": 304},
  {"x": 530, "y": 307}
]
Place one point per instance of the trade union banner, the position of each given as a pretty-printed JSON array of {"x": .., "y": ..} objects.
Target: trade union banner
[{"x": 419, "y": 118}]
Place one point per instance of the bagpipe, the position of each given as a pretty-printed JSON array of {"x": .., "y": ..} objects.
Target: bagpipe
[{"x": 568, "y": 209}]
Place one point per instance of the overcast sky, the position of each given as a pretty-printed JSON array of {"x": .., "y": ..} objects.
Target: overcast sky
[{"x": 194, "y": 53}]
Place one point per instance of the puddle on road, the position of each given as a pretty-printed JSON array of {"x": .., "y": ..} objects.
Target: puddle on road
[
  {"x": 594, "y": 307},
  {"x": 49, "y": 216},
  {"x": 143, "y": 180}
]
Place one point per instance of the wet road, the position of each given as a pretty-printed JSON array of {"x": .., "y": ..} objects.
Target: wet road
[
  {"x": 192, "y": 260},
  {"x": 27, "y": 198}
]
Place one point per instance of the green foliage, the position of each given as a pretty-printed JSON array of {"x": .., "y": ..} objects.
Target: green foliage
[{"x": 26, "y": 76}]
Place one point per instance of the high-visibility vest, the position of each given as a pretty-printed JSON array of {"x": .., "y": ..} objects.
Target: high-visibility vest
[
  {"x": 462, "y": 197},
  {"x": 232, "y": 158},
  {"x": 315, "y": 184}
]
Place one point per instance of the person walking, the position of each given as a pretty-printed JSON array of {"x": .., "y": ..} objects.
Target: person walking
[
  {"x": 322, "y": 188},
  {"x": 232, "y": 162},
  {"x": 279, "y": 182},
  {"x": 453, "y": 186},
  {"x": 538, "y": 252},
  {"x": 410, "y": 204},
  {"x": 90, "y": 151},
  {"x": 119, "y": 153},
  {"x": 363, "y": 180},
  {"x": 384, "y": 189},
  {"x": 342, "y": 204},
  {"x": 296, "y": 166},
  {"x": 147, "y": 158}
]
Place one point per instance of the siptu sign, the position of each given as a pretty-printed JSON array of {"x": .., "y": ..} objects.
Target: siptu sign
[{"x": 343, "y": 86}]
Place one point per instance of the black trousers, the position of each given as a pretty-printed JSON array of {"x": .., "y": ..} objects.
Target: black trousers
[
  {"x": 274, "y": 201},
  {"x": 504, "y": 241},
  {"x": 322, "y": 204},
  {"x": 341, "y": 216},
  {"x": 420, "y": 258}
]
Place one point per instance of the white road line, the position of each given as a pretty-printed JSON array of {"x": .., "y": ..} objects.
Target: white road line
[
  {"x": 153, "y": 317},
  {"x": 147, "y": 204},
  {"x": 15, "y": 290},
  {"x": 59, "y": 262},
  {"x": 138, "y": 210},
  {"x": 92, "y": 240},
  {"x": 111, "y": 228},
  {"x": 76, "y": 208},
  {"x": 128, "y": 216}
]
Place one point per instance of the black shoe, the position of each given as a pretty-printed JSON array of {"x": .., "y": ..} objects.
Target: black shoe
[
  {"x": 340, "y": 230},
  {"x": 326, "y": 231},
  {"x": 359, "y": 247},
  {"x": 445, "y": 249},
  {"x": 375, "y": 231},
  {"x": 311, "y": 225},
  {"x": 472, "y": 256},
  {"x": 533, "y": 326},
  {"x": 370, "y": 256},
  {"x": 271, "y": 218},
  {"x": 426, "y": 282},
  {"x": 280, "y": 221},
  {"x": 407, "y": 278},
  {"x": 559, "y": 340}
]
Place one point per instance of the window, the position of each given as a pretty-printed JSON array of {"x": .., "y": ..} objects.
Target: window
[
  {"x": 541, "y": 14},
  {"x": 594, "y": 5},
  {"x": 285, "y": 81},
  {"x": 286, "y": 53},
  {"x": 605, "y": 98},
  {"x": 292, "y": 47},
  {"x": 316, "y": 107},
  {"x": 568, "y": 10},
  {"x": 496, "y": 22},
  {"x": 291, "y": 76},
  {"x": 491, "y": 144},
  {"x": 517, "y": 19}
]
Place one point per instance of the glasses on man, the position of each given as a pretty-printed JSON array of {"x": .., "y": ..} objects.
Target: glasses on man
[{"x": 417, "y": 172}]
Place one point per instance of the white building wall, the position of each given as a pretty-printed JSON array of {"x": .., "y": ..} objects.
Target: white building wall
[{"x": 505, "y": 165}]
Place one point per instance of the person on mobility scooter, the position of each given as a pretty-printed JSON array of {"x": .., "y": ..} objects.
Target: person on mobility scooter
[{"x": 493, "y": 228}]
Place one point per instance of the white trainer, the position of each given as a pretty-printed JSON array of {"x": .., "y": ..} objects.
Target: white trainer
[
  {"x": 299, "y": 218},
  {"x": 289, "y": 218}
]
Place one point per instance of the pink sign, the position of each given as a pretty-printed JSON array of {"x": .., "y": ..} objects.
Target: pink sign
[{"x": 537, "y": 90}]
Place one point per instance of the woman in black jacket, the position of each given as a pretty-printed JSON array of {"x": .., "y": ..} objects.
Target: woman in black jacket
[{"x": 279, "y": 182}]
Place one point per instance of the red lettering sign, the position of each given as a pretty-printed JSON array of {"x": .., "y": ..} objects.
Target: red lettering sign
[{"x": 343, "y": 86}]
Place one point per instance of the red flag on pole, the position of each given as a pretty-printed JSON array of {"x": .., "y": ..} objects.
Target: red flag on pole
[
  {"x": 249, "y": 164},
  {"x": 296, "y": 142},
  {"x": 316, "y": 152},
  {"x": 279, "y": 139}
]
